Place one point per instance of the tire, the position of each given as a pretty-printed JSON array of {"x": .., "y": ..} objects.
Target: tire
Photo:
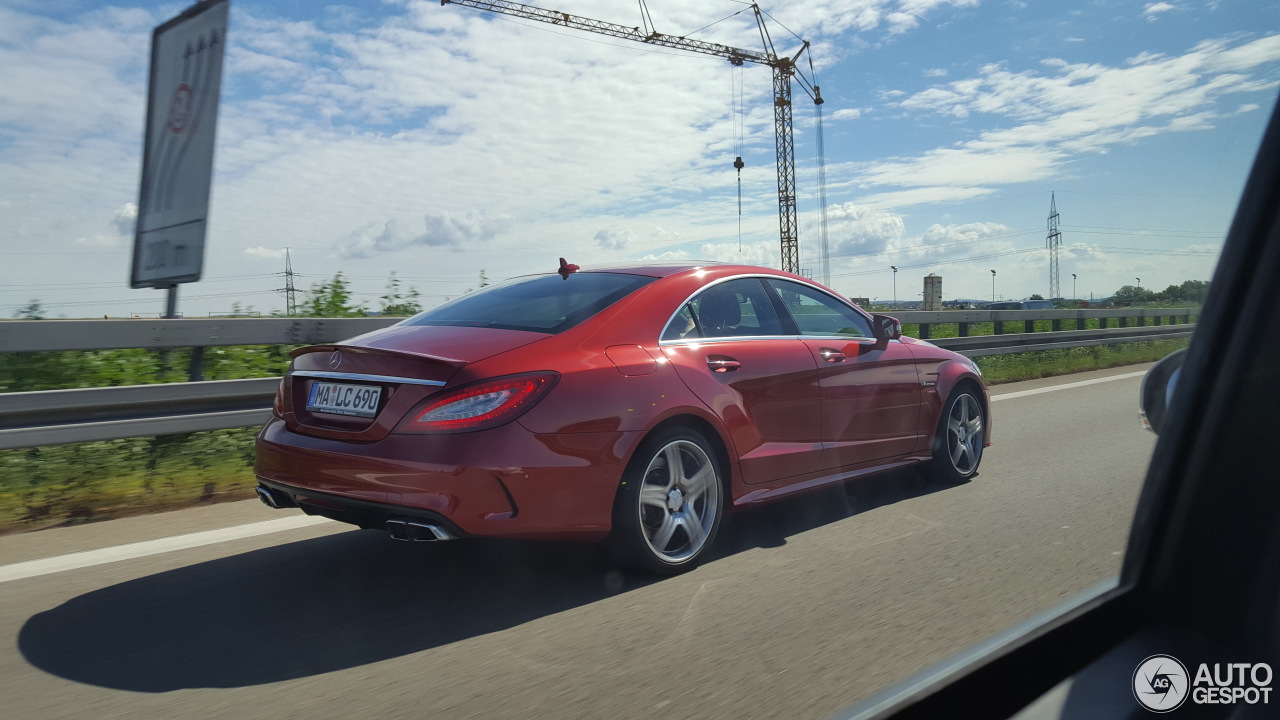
[
  {"x": 957, "y": 444},
  {"x": 664, "y": 521}
]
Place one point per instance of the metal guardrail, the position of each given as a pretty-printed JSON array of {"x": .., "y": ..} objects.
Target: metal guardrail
[
  {"x": 982, "y": 345},
  {"x": 153, "y": 334},
  {"x": 51, "y": 335},
  {"x": 54, "y": 417}
]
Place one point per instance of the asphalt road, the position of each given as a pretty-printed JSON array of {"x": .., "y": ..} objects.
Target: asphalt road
[{"x": 807, "y": 607}]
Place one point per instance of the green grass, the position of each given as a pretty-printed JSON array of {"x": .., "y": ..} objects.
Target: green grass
[
  {"x": 73, "y": 484},
  {"x": 998, "y": 369}
]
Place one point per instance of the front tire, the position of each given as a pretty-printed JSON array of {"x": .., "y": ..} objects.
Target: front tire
[
  {"x": 957, "y": 444},
  {"x": 669, "y": 505}
]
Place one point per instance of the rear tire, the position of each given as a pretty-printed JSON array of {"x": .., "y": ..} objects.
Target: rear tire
[
  {"x": 957, "y": 444},
  {"x": 669, "y": 505}
]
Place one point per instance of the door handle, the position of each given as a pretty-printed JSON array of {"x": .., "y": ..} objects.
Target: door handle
[
  {"x": 722, "y": 363},
  {"x": 832, "y": 355}
]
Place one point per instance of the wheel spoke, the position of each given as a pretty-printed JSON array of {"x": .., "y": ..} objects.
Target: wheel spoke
[
  {"x": 653, "y": 496},
  {"x": 662, "y": 537},
  {"x": 953, "y": 427},
  {"x": 697, "y": 484},
  {"x": 693, "y": 528},
  {"x": 675, "y": 466},
  {"x": 957, "y": 451}
]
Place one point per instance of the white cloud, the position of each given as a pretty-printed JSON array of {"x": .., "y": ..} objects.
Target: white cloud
[
  {"x": 1152, "y": 10},
  {"x": 460, "y": 231},
  {"x": 452, "y": 230},
  {"x": 366, "y": 241},
  {"x": 613, "y": 238},
  {"x": 1076, "y": 108},
  {"x": 264, "y": 253},
  {"x": 968, "y": 232},
  {"x": 935, "y": 72},
  {"x": 119, "y": 232},
  {"x": 126, "y": 219},
  {"x": 857, "y": 229},
  {"x": 846, "y": 114}
]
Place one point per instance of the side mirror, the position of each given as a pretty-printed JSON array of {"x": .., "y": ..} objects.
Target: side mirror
[
  {"x": 886, "y": 328},
  {"x": 1158, "y": 388}
]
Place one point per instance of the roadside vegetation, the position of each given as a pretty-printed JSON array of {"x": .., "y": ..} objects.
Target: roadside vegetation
[{"x": 73, "y": 484}]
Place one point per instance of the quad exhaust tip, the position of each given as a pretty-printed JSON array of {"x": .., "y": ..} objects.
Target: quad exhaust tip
[{"x": 409, "y": 531}]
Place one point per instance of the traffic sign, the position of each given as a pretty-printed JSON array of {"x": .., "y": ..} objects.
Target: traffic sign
[{"x": 177, "y": 154}]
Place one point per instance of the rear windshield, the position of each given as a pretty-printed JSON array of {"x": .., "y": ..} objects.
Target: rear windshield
[{"x": 546, "y": 304}]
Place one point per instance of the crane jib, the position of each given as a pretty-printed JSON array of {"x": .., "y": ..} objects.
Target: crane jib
[
  {"x": 784, "y": 69},
  {"x": 555, "y": 17}
]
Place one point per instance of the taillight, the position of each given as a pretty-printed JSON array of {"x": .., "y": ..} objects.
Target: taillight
[
  {"x": 482, "y": 405},
  {"x": 277, "y": 406}
]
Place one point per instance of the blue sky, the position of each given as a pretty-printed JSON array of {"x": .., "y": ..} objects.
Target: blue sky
[{"x": 435, "y": 142}]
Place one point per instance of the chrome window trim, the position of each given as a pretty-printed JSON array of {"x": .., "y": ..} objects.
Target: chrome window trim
[
  {"x": 328, "y": 375},
  {"x": 737, "y": 338},
  {"x": 695, "y": 293}
]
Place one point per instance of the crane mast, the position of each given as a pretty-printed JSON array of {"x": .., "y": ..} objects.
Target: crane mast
[{"x": 784, "y": 70}]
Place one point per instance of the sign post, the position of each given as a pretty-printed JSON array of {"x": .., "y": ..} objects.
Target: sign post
[{"x": 177, "y": 153}]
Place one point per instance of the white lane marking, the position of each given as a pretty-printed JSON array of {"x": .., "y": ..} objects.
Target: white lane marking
[
  {"x": 89, "y": 558},
  {"x": 1068, "y": 386}
]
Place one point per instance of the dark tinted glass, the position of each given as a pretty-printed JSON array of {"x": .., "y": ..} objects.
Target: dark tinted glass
[
  {"x": 547, "y": 303},
  {"x": 735, "y": 309},
  {"x": 819, "y": 314},
  {"x": 682, "y": 325}
]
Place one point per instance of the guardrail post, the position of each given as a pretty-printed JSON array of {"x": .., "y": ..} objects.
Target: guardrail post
[
  {"x": 1028, "y": 326},
  {"x": 1156, "y": 320},
  {"x": 1057, "y": 325},
  {"x": 924, "y": 331},
  {"x": 195, "y": 368},
  {"x": 964, "y": 329},
  {"x": 999, "y": 327}
]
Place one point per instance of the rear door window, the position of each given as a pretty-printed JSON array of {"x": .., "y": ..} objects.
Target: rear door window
[{"x": 737, "y": 308}]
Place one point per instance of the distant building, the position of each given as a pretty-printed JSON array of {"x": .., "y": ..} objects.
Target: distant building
[{"x": 933, "y": 292}]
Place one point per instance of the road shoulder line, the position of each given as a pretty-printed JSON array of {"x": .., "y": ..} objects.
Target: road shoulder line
[
  {"x": 1068, "y": 386},
  {"x": 130, "y": 551}
]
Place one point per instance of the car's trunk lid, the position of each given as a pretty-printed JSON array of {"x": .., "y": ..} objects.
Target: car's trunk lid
[{"x": 360, "y": 389}]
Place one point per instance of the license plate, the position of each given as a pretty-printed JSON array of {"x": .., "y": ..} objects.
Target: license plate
[{"x": 343, "y": 399}]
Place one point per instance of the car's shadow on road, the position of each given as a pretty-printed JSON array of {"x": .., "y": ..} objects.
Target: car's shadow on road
[{"x": 355, "y": 598}]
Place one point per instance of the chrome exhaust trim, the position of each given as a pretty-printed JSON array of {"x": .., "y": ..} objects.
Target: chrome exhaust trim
[
  {"x": 398, "y": 530},
  {"x": 409, "y": 531},
  {"x": 424, "y": 532},
  {"x": 267, "y": 498}
]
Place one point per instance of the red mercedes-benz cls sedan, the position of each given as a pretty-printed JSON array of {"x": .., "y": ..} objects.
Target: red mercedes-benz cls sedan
[{"x": 634, "y": 405}]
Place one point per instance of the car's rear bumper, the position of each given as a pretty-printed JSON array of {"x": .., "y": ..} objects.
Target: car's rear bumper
[{"x": 506, "y": 481}]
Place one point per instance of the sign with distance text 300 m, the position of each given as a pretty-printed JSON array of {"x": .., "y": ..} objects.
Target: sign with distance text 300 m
[{"x": 177, "y": 154}]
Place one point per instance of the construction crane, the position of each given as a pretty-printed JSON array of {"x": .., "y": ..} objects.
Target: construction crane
[{"x": 784, "y": 69}]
